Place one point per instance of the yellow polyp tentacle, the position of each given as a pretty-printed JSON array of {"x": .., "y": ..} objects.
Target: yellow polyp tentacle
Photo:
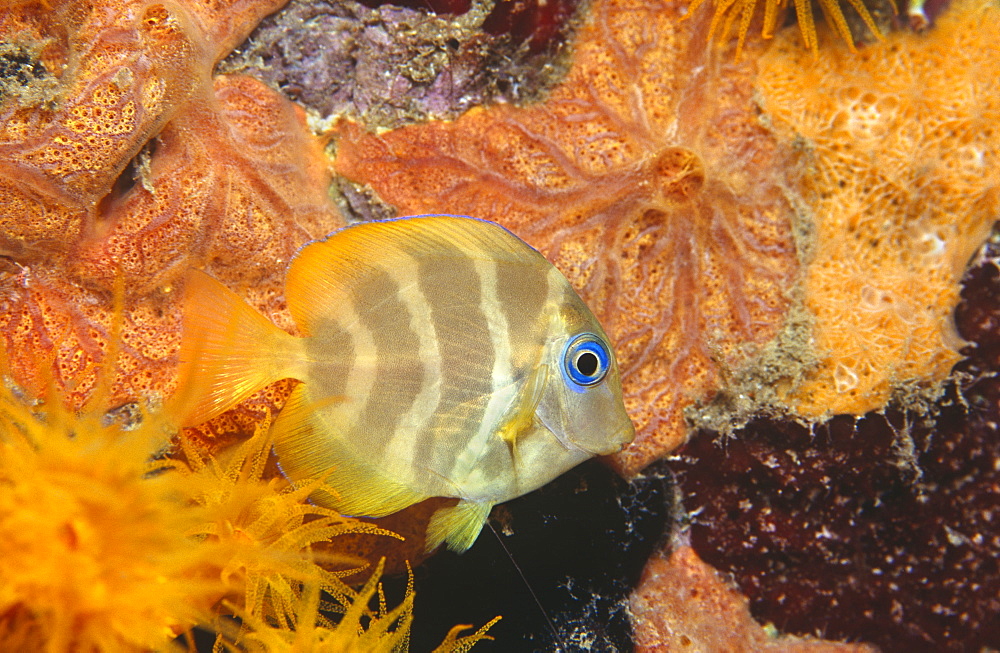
[
  {"x": 721, "y": 9},
  {"x": 835, "y": 16},
  {"x": 730, "y": 17},
  {"x": 734, "y": 9},
  {"x": 745, "y": 18},
  {"x": 693, "y": 7},
  {"x": 866, "y": 16},
  {"x": 771, "y": 8},
  {"x": 806, "y": 25}
]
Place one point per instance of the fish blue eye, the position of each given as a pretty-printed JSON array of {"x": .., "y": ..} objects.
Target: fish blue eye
[{"x": 586, "y": 360}]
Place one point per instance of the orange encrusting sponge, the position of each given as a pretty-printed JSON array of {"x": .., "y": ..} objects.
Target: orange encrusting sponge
[{"x": 905, "y": 187}]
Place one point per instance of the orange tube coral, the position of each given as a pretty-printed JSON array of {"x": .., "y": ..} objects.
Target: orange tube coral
[{"x": 144, "y": 167}]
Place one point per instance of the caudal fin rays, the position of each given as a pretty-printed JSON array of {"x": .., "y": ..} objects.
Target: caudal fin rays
[{"x": 228, "y": 351}]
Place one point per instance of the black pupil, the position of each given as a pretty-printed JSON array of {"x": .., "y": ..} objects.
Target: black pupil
[{"x": 587, "y": 363}]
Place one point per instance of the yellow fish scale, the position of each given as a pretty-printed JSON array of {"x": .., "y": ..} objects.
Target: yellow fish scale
[{"x": 431, "y": 367}]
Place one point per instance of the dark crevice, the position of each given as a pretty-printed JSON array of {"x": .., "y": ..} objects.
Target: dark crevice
[{"x": 131, "y": 176}]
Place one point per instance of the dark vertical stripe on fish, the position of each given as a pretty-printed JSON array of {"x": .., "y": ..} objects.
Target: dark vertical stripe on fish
[
  {"x": 328, "y": 374},
  {"x": 451, "y": 286},
  {"x": 399, "y": 375},
  {"x": 523, "y": 292}
]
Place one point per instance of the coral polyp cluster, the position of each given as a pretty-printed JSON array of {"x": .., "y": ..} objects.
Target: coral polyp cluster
[
  {"x": 101, "y": 547},
  {"x": 746, "y": 11},
  {"x": 94, "y": 555},
  {"x": 111, "y": 540}
]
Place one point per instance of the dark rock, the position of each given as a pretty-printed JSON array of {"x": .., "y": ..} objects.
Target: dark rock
[{"x": 883, "y": 529}]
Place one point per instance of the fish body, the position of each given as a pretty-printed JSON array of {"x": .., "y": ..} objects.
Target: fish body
[{"x": 443, "y": 356}]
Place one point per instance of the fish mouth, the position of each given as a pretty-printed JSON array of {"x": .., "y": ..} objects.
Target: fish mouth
[
  {"x": 625, "y": 434},
  {"x": 616, "y": 443},
  {"x": 621, "y": 437}
]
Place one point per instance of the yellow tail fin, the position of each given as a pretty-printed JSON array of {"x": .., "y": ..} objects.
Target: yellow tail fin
[{"x": 228, "y": 351}]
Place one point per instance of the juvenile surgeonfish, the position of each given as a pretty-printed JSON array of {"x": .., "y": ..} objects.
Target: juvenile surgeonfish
[{"x": 442, "y": 356}]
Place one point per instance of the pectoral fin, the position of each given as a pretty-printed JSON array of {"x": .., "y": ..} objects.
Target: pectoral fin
[
  {"x": 458, "y": 526},
  {"x": 521, "y": 416}
]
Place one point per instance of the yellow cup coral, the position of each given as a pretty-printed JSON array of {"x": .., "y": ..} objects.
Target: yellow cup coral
[
  {"x": 93, "y": 552},
  {"x": 108, "y": 543}
]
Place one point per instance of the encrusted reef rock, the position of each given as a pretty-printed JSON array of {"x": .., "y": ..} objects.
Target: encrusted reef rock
[
  {"x": 394, "y": 63},
  {"x": 682, "y": 604},
  {"x": 881, "y": 529},
  {"x": 122, "y": 158}
]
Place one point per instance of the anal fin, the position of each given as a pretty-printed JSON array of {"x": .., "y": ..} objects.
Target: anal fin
[{"x": 458, "y": 526}]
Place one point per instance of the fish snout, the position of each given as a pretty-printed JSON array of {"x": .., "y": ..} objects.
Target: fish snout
[
  {"x": 622, "y": 436},
  {"x": 625, "y": 434}
]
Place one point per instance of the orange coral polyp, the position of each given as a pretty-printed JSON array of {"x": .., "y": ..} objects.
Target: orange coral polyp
[{"x": 93, "y": 555}]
